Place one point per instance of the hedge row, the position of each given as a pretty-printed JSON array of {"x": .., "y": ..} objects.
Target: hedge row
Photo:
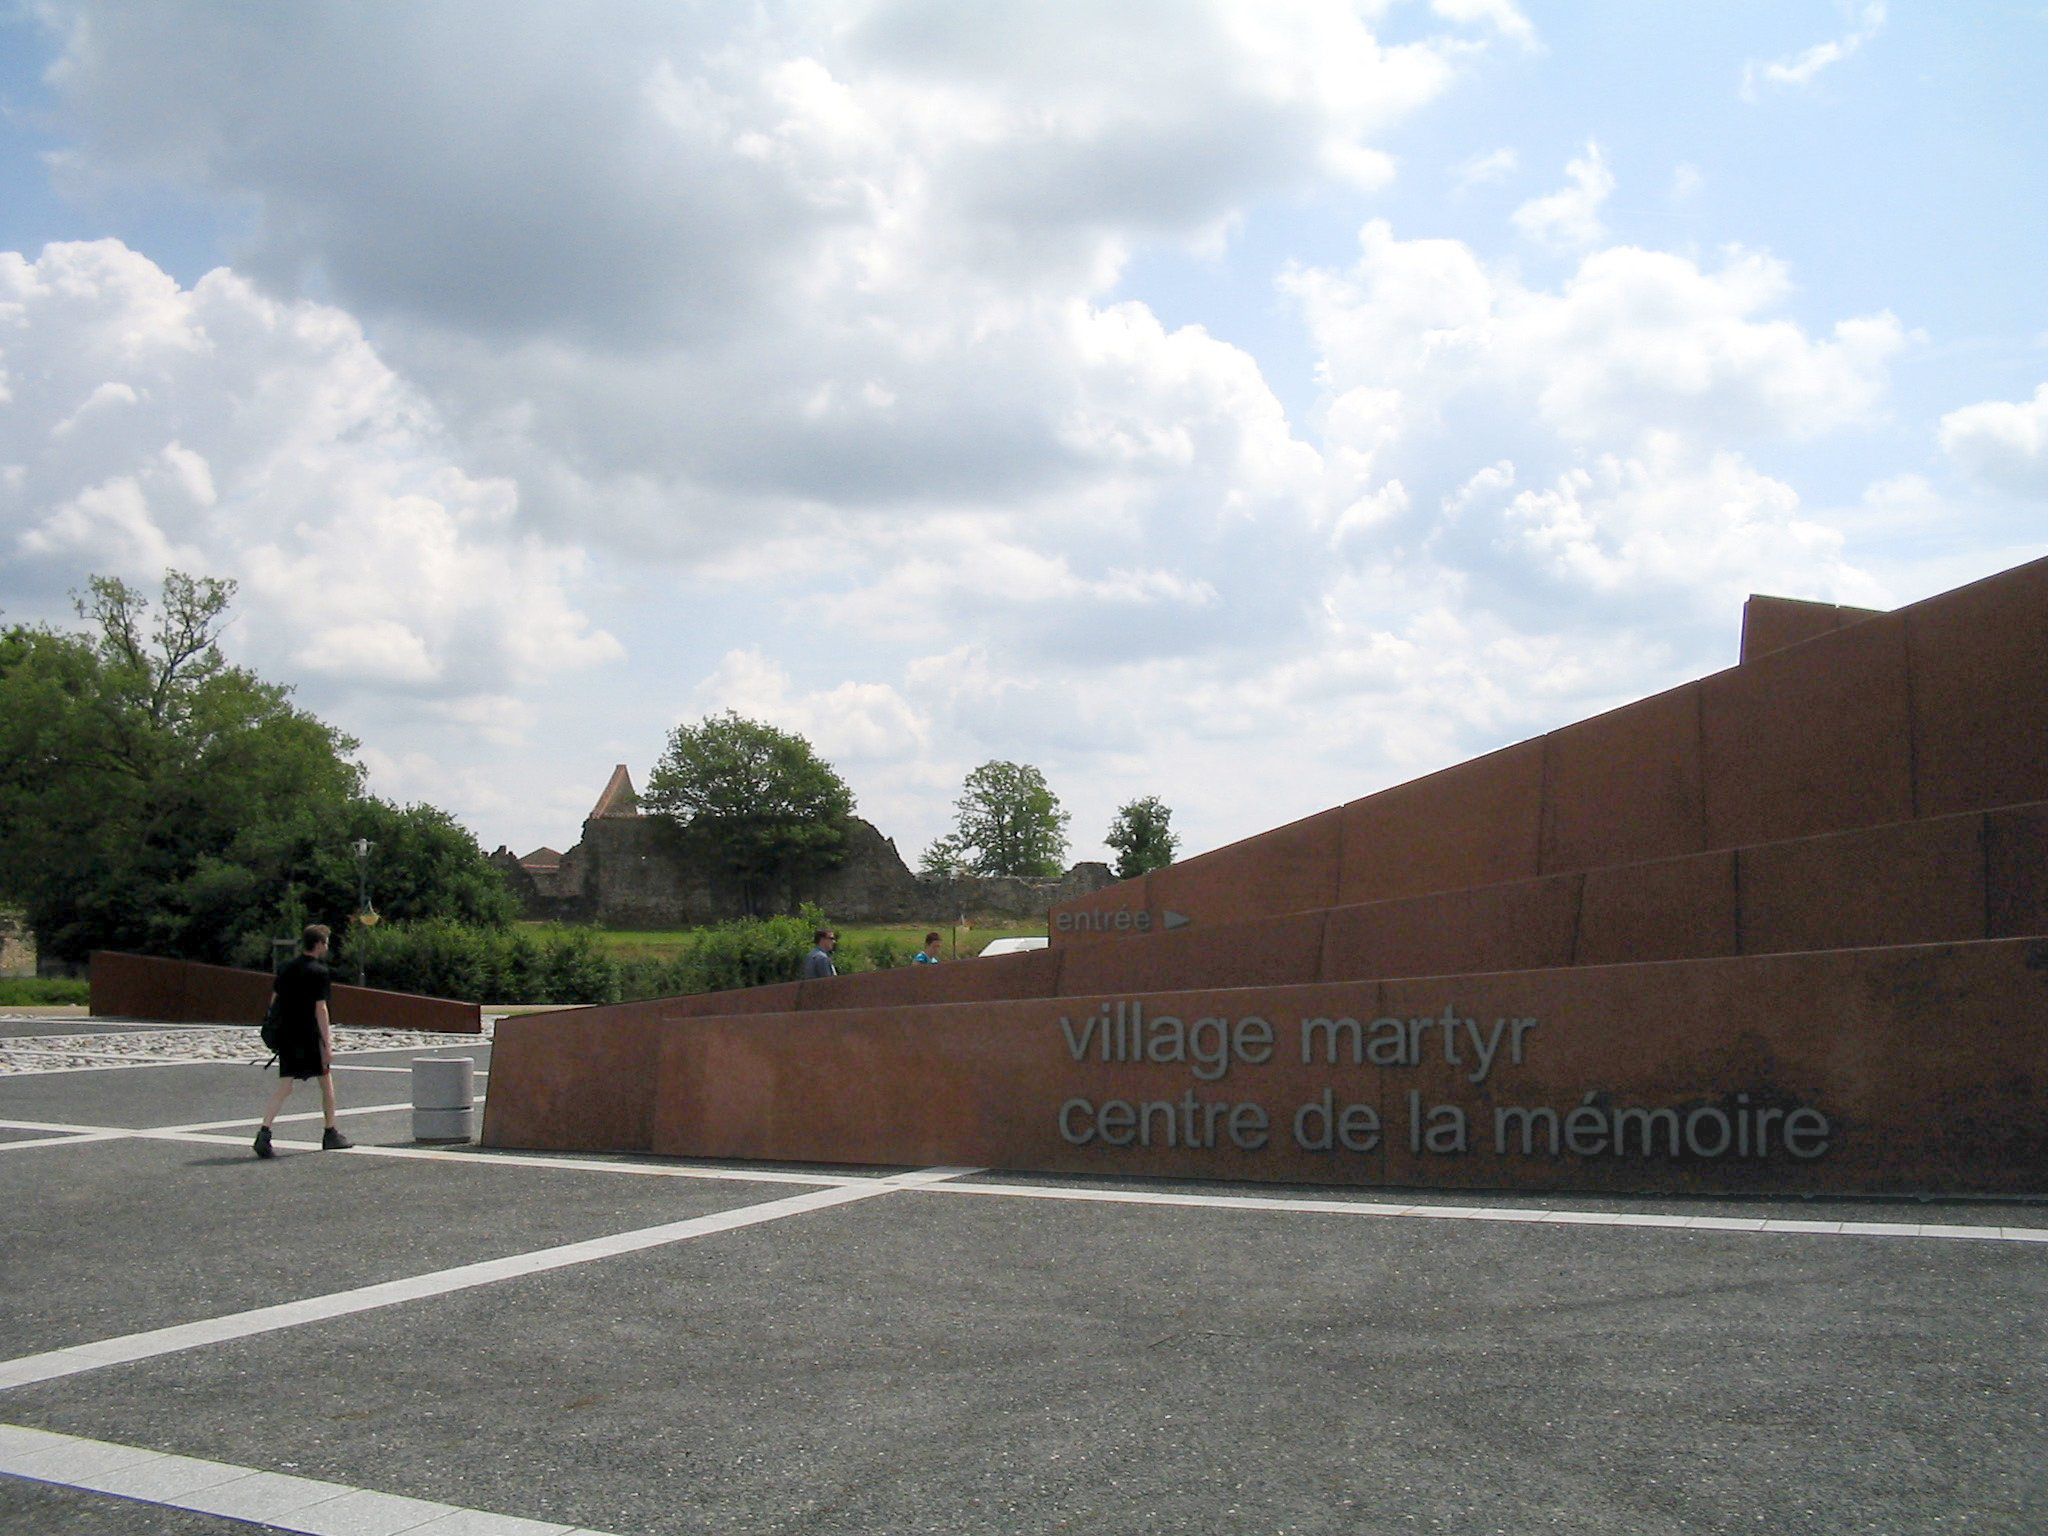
[
  {"x": 42, "y": 992},
  {"x": 438, "y": 958}
]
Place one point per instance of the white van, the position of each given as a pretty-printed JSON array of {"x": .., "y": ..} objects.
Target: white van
[{"x": 1013, "y": 946}]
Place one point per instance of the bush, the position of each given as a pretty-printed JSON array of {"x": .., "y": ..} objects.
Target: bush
[
  {"x": 881, "y": 953},
  {"x": 746, "y": 952},
  {"x": 439, "y": 958},
  {"x": 642, "y": 978},
  {"x": 574, "y": 968},
  {"x": 749, "y": 952}
]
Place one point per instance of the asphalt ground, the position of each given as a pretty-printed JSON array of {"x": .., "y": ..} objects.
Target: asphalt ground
[{"x": 440, "y": 1340}]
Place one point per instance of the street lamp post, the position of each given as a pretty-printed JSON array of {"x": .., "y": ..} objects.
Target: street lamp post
[{"x": 366, "y": 915}]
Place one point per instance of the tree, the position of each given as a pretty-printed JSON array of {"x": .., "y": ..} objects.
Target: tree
[
  {"x": 943, "y": 859},
  {"x": 1141, "y": 837},
  {"x": 423, "y": 863},
  {"x": 761, "y": 800},
  {"x": 1008, "y": 822},
  {"x": 155, "y": 798}
]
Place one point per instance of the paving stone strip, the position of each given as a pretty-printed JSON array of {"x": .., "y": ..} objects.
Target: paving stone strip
[{"x": 192, "y": 1046}]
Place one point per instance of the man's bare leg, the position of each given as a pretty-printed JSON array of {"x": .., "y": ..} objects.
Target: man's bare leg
[
  {"x": 331, "y": 1139},
  {"x": 284, "y": 1091}
]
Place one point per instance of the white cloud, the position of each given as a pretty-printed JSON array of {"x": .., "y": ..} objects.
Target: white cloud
[
  {"x": 192, "y": 474},
  {"x": 266, "y": 442},
  {"x": 1478, "y": 170},
  {"x": 1799, "y": 70},
  {"x": 1634, "y": 341},
  {"x": 1642, "y": 336},
  {"x": 104, "y": 397},
  {"x": 2001, "y": 443},
  {"x": 502, "y": 719},
  {"x": 1569, "y": 219},
  {"x": 109, "y": 523},
  {"x": 853, "y": 257},
  {"x": 1373, "y": 510},
  {"x": 718, "y": 153},
  {"x": 1671, "y": 520},
  {"x": 381, "y": 652},
  {"x": 857, "y": 722},
  {"x": 1897, "y": 509},
  {"x": 1504, "y": 16},
  {"x": 813, "y": 327},
  {"x": 1546, "y": 475}
]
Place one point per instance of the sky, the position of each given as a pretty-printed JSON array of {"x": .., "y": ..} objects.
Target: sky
[{"x": 1248, "y": 404}]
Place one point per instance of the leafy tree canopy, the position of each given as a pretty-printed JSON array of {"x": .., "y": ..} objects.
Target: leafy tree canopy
[
  {"x": 944, "y": 858},
  {"x": 1141, "y": 837},
  {"x": 155, "y": 798},
  {"x": 763, "y": 801},
  {"x": 423, "y": 863},
  {"x": 1007, "y": 823}
]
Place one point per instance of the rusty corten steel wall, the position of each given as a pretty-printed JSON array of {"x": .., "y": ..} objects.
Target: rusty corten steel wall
[
  {"x": 583, "y": 1079},
  {"x": 1772, "y": 623},
  {"x": 1904, "y": 1070},
  {"x": 1815, "y": 882},
  {"x": 1936, "y": 709},
  {"x": 186, "y": 992}
]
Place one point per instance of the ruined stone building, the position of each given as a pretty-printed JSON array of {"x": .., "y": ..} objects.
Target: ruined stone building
[{"x": 635, "y": 871}]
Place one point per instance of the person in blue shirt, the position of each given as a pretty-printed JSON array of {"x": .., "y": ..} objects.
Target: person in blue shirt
[
  {"x": 929, "y": 955},
  {"x": 818, "y": 962}
]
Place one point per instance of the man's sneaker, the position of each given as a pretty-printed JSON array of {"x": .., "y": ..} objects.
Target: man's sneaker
[
  {"x": 332, "y": 1140},
  {"x": 263, "y": 1143}
]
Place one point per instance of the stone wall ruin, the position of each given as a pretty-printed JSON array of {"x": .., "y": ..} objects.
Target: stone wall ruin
[{"x": 634, "y": 871}]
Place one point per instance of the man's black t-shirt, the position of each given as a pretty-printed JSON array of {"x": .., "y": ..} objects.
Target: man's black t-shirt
[{"x": 303, "y": 982}]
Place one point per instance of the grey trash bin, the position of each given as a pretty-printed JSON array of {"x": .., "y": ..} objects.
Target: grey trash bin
[{"x": 443, "y": 1107}]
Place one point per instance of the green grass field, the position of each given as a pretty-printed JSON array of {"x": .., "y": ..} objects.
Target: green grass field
[
  {"x": 29, "y": 992},
  {"x": 955, "y": 942}
]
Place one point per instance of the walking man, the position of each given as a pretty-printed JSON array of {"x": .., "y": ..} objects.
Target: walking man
[
  {"x": 819, "y": 961},
  {"x": 305, "y": 1040}
]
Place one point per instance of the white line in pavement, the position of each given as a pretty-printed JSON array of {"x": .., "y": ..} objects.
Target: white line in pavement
[
  {"x": 244, "y": 1120},
  {"x": 600, "y": 1165},
  {"x": 122, "y": 1350},
  {"x": 68, "y": 1139},
  {"x": 65, "y": 1132},
  {"x": 299, "y": 1504},
  {"x": 207, "y": 1134},
  {"x": 56, "y": 1125},
  {"x": 1665, "y": 1220},
  {"x": 1669, "y": 1220},
  {"x": 526, "y": 1160}
]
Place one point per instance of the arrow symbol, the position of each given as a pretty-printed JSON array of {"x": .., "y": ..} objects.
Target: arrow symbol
[{"x": 1175, "y": 920}]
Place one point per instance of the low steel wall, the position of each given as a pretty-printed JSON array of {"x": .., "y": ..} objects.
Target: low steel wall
[
  {"x": 1920, "y": 1069},
  {"x": 186, "y": 992}
]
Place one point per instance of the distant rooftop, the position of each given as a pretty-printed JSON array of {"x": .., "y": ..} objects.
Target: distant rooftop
[{"x": 619, "y": 798}]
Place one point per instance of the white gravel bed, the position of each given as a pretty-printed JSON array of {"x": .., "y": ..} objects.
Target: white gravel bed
[{"x": 190, "y": 1046}]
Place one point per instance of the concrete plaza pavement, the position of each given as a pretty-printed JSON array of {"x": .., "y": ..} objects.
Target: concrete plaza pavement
[{"x": 397, "y": 1339}]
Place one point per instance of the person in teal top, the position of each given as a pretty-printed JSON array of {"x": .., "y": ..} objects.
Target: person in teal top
[{"x": 929, "y": 955}]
